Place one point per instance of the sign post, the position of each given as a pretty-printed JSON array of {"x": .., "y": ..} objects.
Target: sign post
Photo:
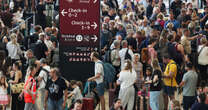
[{"x": 80, "y": 35}]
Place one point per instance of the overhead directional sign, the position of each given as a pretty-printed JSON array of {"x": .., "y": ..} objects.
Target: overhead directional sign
[
  {"x": 80, "y": 35},
  {"x": 80, "y": 17}
]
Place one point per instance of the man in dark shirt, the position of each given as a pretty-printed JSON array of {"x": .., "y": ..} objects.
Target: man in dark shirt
[
  {"x": 33, "y": 38},
  {"x": 176, "y": 7},
  {"x": 205, "y": 32},
  {"x": 131, "y": 40},
  {"x": 201, "y": 103},
  {"x": 40, "y": 48},
  {"x": 55, "y": 90},
  {"x": 204, "y": 17}
]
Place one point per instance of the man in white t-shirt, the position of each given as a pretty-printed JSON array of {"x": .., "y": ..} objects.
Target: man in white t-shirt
[
  {"x": 42, "y": 80},
  {"x": 123, "y": 52},
  {"x": 99, "y": 78}
]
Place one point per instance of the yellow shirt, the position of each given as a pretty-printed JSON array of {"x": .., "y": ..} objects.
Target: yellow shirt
[{"x": 170, "y": 68}]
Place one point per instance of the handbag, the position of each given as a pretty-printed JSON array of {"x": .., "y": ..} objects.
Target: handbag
[{"x": 17, "y": 88}]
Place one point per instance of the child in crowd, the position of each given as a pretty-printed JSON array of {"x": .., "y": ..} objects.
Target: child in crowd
[
  {"x": 4, "y": 100},
  {"x": 144, "y": 93},
  {"x": 147, "y": 77},
  {"x": 76, "y": 93}
]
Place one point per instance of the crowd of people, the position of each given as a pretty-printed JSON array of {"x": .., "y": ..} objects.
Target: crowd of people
[{"x": 156, "y": 52}]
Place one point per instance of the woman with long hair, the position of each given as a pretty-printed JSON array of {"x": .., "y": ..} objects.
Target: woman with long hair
[
  {"x": 16, "y": 77},
  {"x": 127, "y": 78},
  {"x": 155, "y": 86}
]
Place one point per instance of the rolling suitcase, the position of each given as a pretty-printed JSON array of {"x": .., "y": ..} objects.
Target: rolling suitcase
[
  {"x": 88, "y": 100},
  {"x": 88, "y": 104},
  {"x": 111, "y": 97}
]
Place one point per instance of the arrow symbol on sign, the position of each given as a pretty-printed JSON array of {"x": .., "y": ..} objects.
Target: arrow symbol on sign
[
  {"x": 63, "y": 12},
  {"x": 94, "y": 25},
  {"x": 95, "y": 1},
  {"x": 94, "y": 38}
]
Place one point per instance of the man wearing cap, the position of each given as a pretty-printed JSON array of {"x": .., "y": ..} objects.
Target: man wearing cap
[{"x": 42, "y": 80}]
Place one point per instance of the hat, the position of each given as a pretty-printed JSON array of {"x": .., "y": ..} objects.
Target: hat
[{"x": 43, "y": 61}]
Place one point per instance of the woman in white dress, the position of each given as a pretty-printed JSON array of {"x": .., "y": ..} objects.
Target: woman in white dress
[{"x": 127, "y": 78}]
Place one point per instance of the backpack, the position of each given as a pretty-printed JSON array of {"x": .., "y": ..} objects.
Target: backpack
[
  {"x": 34, "y": 47},
  {"x": 174, "y": 54},
  {"x": 107, "y": 56},
  {"x": 47, "y": 73},
  {"x": 109, "y": 73},
  {"x": 144, "y": 55},
  {"x": 127, "y": 55}
]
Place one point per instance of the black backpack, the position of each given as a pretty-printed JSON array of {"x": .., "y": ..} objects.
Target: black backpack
[
  {"x": 127, "y": 55},
  {"x": 174, "y": 54},
  {"x": 107, "y": 56},
  {"x": 34, "y": 47},
  {"x": 47, "y": 72}
]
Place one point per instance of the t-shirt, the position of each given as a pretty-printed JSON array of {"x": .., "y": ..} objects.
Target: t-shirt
[
  {"x": 156, "y": 86},
  {"x": 127, "y": 79},
  {"x": 203, "y": 55},
  {"x": 99, "y": 69},
  {"x": 186, "y": 44},
  {"x": 55, "y": 89},
  {"x": 122, "y": 54},
  {"x": 40, "y": 50},
  {"x": 190, "y": 78},
  {"x": 43, "y": 74},
  {"x": 77, "y": 93},
  {"x": 171, "y": 67}
]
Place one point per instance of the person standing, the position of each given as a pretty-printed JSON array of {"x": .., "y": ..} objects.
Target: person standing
[
  {"x": 203, "y": 54},
  {"x": 169, "y": 80},
  {"x": 189, "y": 84},
  {"x": 155, "y": 85},
  {"x": 99, "y": 78},
  {"x": 13, "y": 48},
  {"x": 16, "y": 77},
  {"x": 115, "y": 59},
  {"x": 30, "y": 90},
  {"x": 42, "y": 80},
  {"x": 56, "y": 89},
  {"x": 123, "y": 53},
  {"x": 126, "y": 80}
]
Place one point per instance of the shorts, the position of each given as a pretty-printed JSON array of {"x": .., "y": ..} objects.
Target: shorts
[
  {"x": 100, "y": 89},
  {"x": 169, "y": 90}
]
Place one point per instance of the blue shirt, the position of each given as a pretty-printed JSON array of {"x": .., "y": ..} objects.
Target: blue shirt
[{"x": 175, "y": 23}]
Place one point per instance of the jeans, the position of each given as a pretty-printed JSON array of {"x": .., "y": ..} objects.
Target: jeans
[
  {"x": 188, "y": 101},
  {"x": 30, "y": 106},
  {"x": 55, "y": 105},
  {"x": 154, "y": 100},
  {"x": 100, "y": 89},
  {"x": 40, "y": 100}
]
